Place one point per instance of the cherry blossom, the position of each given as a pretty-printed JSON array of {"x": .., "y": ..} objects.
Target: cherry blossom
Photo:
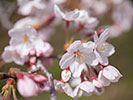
[
  {"x": 27, "y": 7},
  {"x": 109, "y": 74},
  {"x": 77, "y": 56},
  {"x": 86, "y": 88},
  {"x": 10, "y": 54},
  {"x": 88, "y": 22},
  {"x": 102, "y": 48},
  {"x": 60, "y": 86},
  {"x": 68, "y": 16}
]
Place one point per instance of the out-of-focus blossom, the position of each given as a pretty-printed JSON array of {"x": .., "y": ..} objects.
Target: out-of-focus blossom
[
  {"x": 43, "y": 48},
  {"x": 23, "y": 38},
  {"x": 103, "y": 49},
  {"x": 93, "y": 6},
  {"x": 30, "y": 85},
  {"x": 10, "y": 54},
  {"x": 27, "y": 7},
  {"x": 27, "y": 38},
  {"x": 122, "y": 17},
  {"x": 68, "y": 16},
  {"x": 27, "y": 87},
  {"x": 89, "y": 23},
  {"x": 43, "y": 33}
]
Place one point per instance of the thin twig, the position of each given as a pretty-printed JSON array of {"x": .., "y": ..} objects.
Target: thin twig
[{"x": 50, "y": 80}]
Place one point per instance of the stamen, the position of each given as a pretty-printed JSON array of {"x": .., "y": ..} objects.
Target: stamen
[
  {"x": 26, "y": 39},
  {"x": 81, "y": 58},
  {"x": 104, "y": 47}
]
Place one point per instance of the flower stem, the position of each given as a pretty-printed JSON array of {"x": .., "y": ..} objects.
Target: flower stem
[{"x": 53, "y": 95}]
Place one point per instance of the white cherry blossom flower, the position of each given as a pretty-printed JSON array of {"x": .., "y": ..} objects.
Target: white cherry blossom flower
[
  {"x": 60, "y": 86},
  {"x": 86, "y": 20},
  {"x": 108, "y": 75},
  {"x": 68, "y": 16},
  {"x": 93, "y": 6},
  {"x": 78, "y": 54},
  {"x": 44, "y": 33},
  {"x": 86, "y": 88},
  {"x": 103, "y": 49},
  {"x": 10, "y": 54},
  {"x": 27, "y": 7},
  {"x": 23, "y": 38}
]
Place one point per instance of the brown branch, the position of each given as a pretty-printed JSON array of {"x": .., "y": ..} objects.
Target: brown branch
[{"x": 50, "y": 80}]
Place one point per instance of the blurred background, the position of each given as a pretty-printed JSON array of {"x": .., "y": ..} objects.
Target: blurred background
[{"x": 122, "y": 59}]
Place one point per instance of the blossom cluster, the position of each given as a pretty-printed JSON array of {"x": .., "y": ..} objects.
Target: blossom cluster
[{"x": 85, "y": 65}]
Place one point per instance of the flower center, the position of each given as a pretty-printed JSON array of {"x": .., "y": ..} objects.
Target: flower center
[
  {"x": 80, "y": 58},
  {"x": 26, "y": 39},
  {"x": 104, "y": 48}
]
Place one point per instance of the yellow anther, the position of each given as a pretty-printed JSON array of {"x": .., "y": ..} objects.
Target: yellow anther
[
  {"x": 104, "y": 47},
  {"x": 26, "y": 39},
  {"x": 81, "y": 58}
]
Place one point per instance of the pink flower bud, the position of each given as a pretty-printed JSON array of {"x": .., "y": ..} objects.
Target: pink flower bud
[
  {"x": 32, "y": 53},
  {"x": 38, "y": 78},
  {"x": 33, "y": 60},
  {"x": 26, "y": 86},
  {"x": 65, "y": 75}
]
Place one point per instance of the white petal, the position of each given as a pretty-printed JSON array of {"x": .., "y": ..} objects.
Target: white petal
[
  {"x": 76, "y": 68},
  {"x": 116, "y": 73},
  {"x": 95, "y": 37},
  {"x": 75, "y": 81},
  {"x": 104, "y": 81},
  {"x": 103, "y": 37},
  {"x": 66, "y": 60},
  {"x": 87, "y": 86},
  {"x": 68, "y": 90},
  {"x": 107, "y": 73},
  {"x": 97, "y": 83},
  {"x": 104, "y": 60},
  {"x": 72, "y": 15},
  {"x": 74, "y": 46},
  {"x": 91, "y": 59},
  {"x": 58, "y": 12},
  {"x": 77, "y": 92},
  {"x": 87, "y": 47},
  {"x": 7, "y": 55},
  {"x": 108, "y": 49},
  {"x": 26, "y": 9}
]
